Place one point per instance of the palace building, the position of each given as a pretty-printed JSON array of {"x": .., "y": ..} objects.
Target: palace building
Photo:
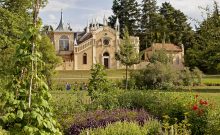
[{"x": 96, "y": 44}]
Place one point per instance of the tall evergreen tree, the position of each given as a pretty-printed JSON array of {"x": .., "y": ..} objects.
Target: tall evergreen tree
[
  {"x": 205, "y": 51},
  {"x": 174, "y": 23},
  {"x": 149, "y": 21},
  {"x": 128, "y": 13}
]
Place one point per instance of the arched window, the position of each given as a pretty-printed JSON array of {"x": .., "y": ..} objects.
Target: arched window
[
  {"x": 84, "y": 58},
  {"x": 64, "y": 43},
  {"x": 106, "y": 54}
]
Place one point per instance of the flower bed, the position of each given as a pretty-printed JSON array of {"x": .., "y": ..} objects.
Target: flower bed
[{"x": 101, "y": 118}]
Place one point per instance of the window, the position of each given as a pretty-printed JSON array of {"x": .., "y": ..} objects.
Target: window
[
  {"x": 84, "y": 58},
  {"x": 106, "y": 54},
  {"x": 106, "y": 42},
  {"x": 64, "y": 43}
]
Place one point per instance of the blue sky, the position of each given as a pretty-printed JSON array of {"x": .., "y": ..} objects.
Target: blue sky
[{"x": 78, "y": 12}]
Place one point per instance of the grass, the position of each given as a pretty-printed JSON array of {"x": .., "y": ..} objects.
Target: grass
[
  {"x": 211, "y": 80},
  {"x": 80, "y": 76},
  {"x": 210, "y": 92},
  {"x": 86, "y": 74}
]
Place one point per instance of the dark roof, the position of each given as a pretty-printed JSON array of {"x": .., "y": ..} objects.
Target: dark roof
[{"x": 85, "y": 37}]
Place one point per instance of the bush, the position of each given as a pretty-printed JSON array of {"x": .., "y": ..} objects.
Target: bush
[
  {"x": 153, "y": 127},
  {"x": 3, "y": 132},
  {"x": 98, "y": 82},
  {"x": 107, "y": 100},
  {"x": 101, "y": 118},
  {"x": 198, "y": 116},
  {"x": 173, "y": 104},
  {"x": 155, "y": 76},
  {"x": 213, "y": 125},
  {"x": 126, "y": 128},
  {"x": 66, "y": 103},
  {"x": 191, "y": 78}
]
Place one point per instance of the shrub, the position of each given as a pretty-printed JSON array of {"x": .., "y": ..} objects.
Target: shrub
[
  {"x": 101, "y": 118},
  {"x": 126, "y": 128},
  {"x": 107, "y": 100},
  {"x": 155, "y": 76},
  {"x": 213, "y": 125},
  {"x": 98, "y": 82},
  {"x": 3, "y": 132},
  {"x": 173, "y": 104},
  {"x": 153, "y": 127},
  {"x": 181, "y": 128},
  {"x": 198, "y": 116},
  {"x": 189, "y": 78},
  {"x": 66, "y": 103}
]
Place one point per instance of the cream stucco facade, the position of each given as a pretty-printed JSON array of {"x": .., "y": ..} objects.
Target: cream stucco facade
[{"x": 96, "y": 44}]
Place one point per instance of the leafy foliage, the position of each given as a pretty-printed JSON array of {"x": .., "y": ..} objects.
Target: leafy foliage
[
  {"x": 50, "y": 59},
  {"x": 161, "y": 56},
  {"x": 128, "y": 54},
  {"x": 204, "y": 53},
  {"x": 156, "y": 76},
  {"x": 98, "y": 82},
  {"x": 36, "y": 118},
  {"x": 128, "y": 13},
  {"x": 25, "y": 98},
  {"x": 127, "y": 128},
  {"x": 101, "y": 118}
]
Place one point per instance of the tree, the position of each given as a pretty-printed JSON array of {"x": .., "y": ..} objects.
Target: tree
[
  {"x": 15, "y": 19},
  {"x": 149, "y": 21},
  {"x": 161, "y": 56},
  {"x": 205, "y": 51},
  {"x": 128, "y": 55},
  {"x": 128, "y": 13},
  {"x": 98, "y": 82},
  {"x": 26, "y": 108},
  {"x": 174, "y": 26},
  {"x": 51, "y": 60}
]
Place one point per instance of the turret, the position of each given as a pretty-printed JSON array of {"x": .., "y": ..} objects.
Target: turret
[
  {"x": 117, "y": 25},
  {"x": 104, "y": 21},
  {"x": 60, "y": 26},
  {"x": 87, "y": 28}
]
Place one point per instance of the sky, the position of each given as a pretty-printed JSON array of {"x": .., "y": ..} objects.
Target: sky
[{"x": 79, "y": 12}]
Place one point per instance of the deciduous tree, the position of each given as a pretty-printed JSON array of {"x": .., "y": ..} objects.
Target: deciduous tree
[{"x": 128, "y": 54}]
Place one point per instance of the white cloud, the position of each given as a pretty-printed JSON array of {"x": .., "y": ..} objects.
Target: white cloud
[
  {"x": 52, "y": 17},
  {"x": 99, "y": 15},
  {"x": 57, "y": 5},
  {"x": 77, "y": 12}
]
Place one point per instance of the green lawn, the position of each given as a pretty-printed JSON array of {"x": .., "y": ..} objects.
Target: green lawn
[
  {"x": 86, "y": 74},
  {"x": 211, "y": 80},
  {"x": 83, "y": 76},
  {"x": 212, "y": 92}
]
